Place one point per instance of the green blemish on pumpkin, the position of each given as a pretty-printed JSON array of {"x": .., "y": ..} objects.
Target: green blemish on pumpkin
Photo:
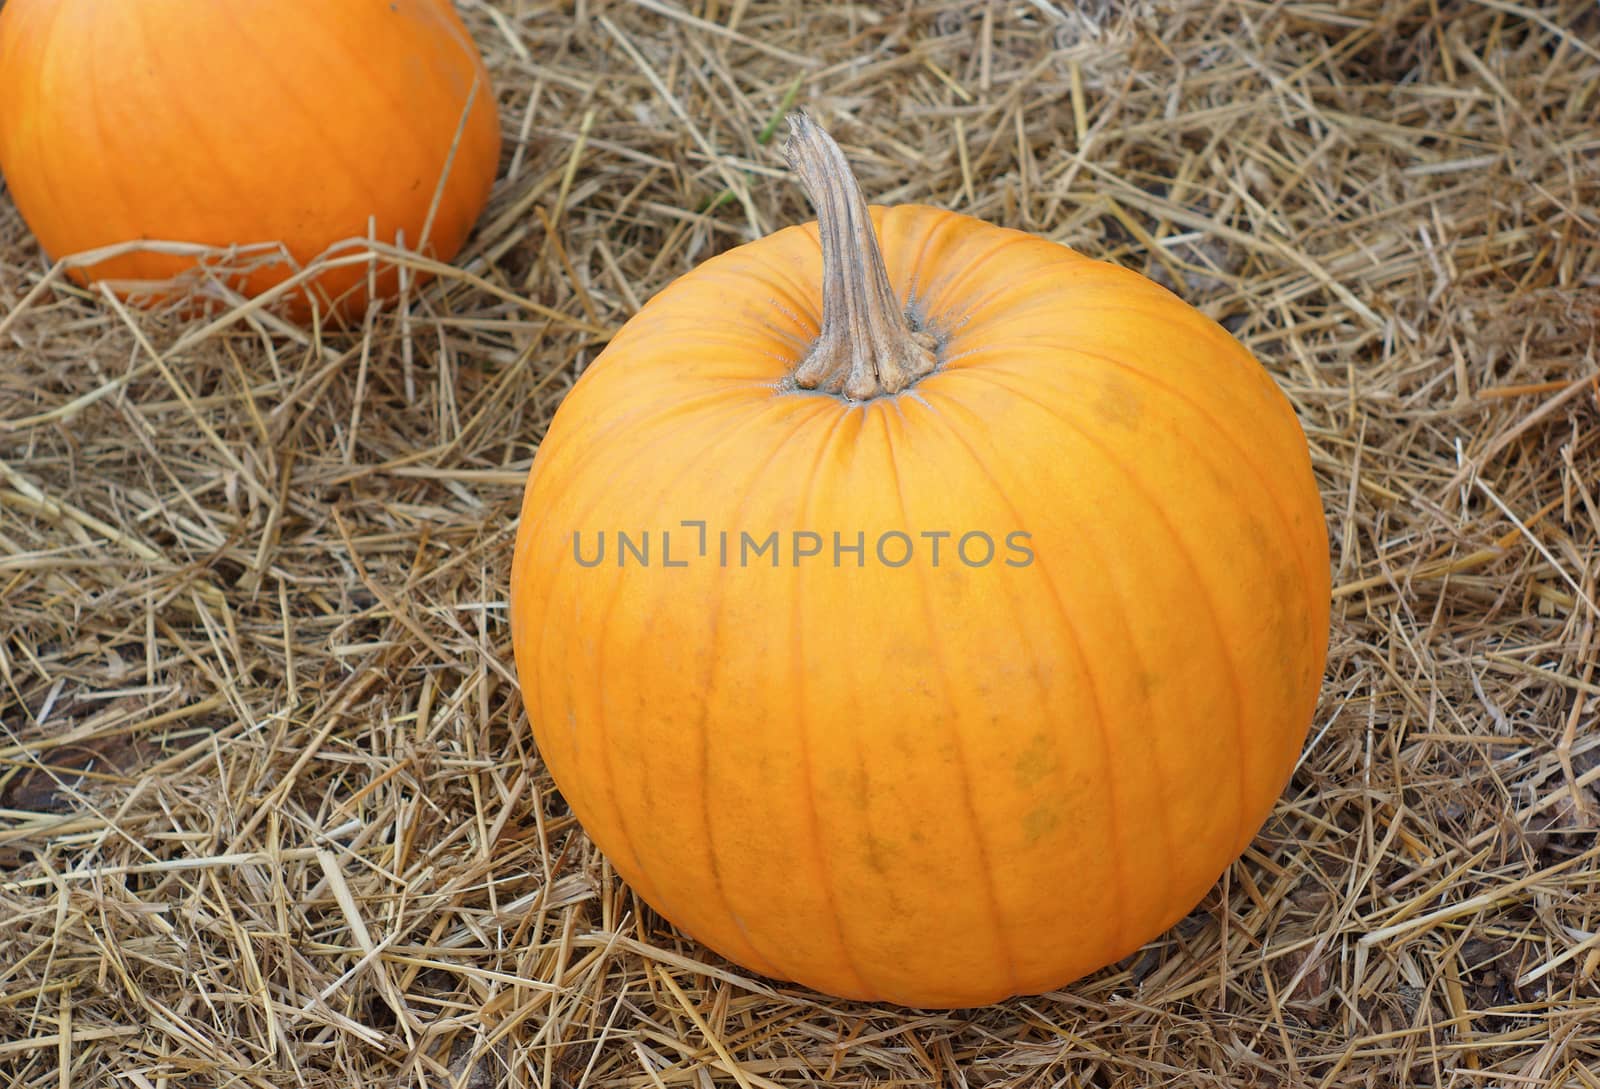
[
  {"x": 1041, "y": 822},
  {"x": 1037, "y": 761}
]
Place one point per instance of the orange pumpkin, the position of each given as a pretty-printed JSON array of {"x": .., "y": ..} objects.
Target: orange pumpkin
[
  {"x": 242, "y": 123},
  {"x": 1037, "y": 646}
]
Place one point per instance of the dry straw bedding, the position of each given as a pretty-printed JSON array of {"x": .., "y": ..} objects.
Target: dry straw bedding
[{"x": 269, "y": 811}]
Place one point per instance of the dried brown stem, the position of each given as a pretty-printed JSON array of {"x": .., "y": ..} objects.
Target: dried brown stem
[{"x": 867, "y": 347}]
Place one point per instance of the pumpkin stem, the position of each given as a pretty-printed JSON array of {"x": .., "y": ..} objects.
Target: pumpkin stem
[{"x": 867, "y": 346}]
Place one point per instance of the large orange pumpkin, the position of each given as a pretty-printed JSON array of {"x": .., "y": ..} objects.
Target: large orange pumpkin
[
  {"x": 1034, "y": 649},
  {"x": 243, "y": 122}
]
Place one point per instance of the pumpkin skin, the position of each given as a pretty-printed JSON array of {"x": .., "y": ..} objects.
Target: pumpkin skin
[
  {"x": 236, "y": 122},
  {"x": 944, "y": 785}
]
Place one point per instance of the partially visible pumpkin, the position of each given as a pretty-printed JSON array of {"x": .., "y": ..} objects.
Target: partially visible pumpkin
[
  {"x": 242, "y": 122},
  {"x": 908, "y": 755}
]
